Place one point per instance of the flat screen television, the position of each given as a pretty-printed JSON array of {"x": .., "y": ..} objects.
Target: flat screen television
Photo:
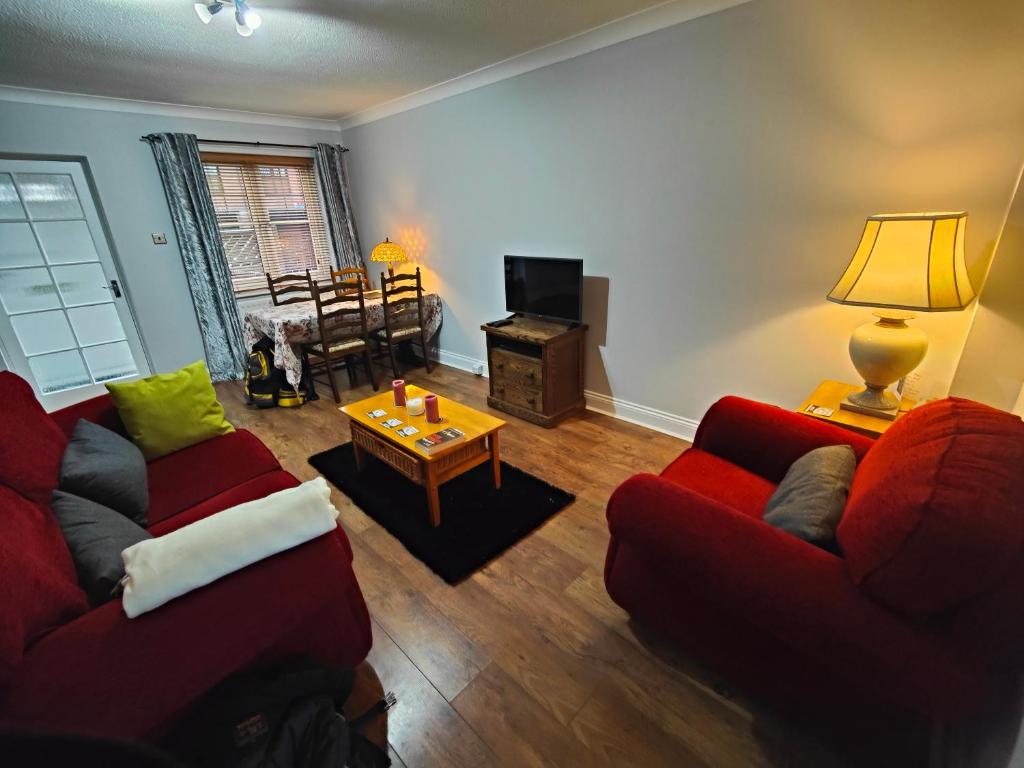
[{"x": 544, "y": 287}]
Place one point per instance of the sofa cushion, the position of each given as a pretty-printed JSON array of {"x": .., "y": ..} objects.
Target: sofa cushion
[
  {"x": 935, "y": 514},
  {"x": 257, "y": 488},
  {"x": 185, "y": 478},
  {"x": 87, "y": 675},
  {"x": 96, "y": 535},
  {"x": 809, "y": 501},
  {"x": 38, "y": 589},
  {"x": 31, "y": 443},
  {"x": 170, "y": 411},
  {"x": 721, "y": 480},
  {"x": 105, "y": 468}
]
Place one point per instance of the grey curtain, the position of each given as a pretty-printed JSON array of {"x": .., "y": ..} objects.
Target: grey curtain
[
  {"x": 330, "y": 170},
  {"x": 206, "y": 266}
]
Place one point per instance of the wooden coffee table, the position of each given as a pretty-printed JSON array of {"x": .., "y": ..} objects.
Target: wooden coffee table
[{"x": 480, "y": 443}]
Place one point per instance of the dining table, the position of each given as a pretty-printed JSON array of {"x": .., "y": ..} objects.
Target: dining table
[{"x": 289, "y": 326}]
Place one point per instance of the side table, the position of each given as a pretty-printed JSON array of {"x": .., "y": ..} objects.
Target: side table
[{"x": 829, "y": 394}]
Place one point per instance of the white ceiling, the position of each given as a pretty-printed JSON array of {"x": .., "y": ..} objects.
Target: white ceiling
[{"x": 314, "y": 58}]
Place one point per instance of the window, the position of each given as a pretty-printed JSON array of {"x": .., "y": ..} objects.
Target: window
[{"x": 270, "y": 217}]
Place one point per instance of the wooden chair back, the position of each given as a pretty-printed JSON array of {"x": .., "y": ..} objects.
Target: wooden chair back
[
  {"x": 402, "y": 298},
  {"x": 290, "y": 289},
  {"x": 340, "y": 316},
  {"x": 344, "y": 278}
]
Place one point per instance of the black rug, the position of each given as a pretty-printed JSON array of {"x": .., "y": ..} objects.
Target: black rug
[{"x": 478, "y": 523}]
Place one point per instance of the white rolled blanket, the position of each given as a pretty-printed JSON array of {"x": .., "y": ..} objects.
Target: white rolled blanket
[{"x": 161, "y": 569}]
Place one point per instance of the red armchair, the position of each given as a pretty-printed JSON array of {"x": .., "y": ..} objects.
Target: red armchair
[
  {"x": 64, "y": 667},
  {"x": 921, "y": 612}
]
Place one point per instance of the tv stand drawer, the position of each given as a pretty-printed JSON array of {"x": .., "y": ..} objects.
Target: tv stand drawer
[
  {"x": 525, "y": 397},
  {"x": 514, "y": 368}
]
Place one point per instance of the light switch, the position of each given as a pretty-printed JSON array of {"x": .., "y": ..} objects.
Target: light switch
[{"x": 159, "y": 238}]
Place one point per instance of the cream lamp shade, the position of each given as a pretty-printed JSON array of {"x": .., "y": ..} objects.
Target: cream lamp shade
[
  {"x": 911, "y": 261},
  {"x": 390, "y": 252},
  {"x": 905, "y": 262}
]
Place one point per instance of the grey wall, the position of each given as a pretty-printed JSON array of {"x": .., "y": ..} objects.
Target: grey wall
[
  {"x": 992, "y": 365},
  {"x": 133, "y": 202},
  {"x": 717, "y": 174}
]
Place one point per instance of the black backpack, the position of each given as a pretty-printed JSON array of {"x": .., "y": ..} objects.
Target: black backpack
[
  {"x": 282, "y": 716},
  {"x": 267, "y": 386}
]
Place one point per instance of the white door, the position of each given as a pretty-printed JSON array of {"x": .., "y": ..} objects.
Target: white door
[{"x": 65, "y": 324}]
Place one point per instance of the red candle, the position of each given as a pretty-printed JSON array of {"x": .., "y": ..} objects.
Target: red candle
[
  {"x": 433, "y": 414},
  {"x": 398, "y": 388}
]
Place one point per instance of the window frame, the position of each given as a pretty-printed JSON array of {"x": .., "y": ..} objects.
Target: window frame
[{"x": 276, "y": 158}]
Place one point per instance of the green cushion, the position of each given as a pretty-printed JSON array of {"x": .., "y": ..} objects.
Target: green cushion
[{"x": 170, "y": 411}]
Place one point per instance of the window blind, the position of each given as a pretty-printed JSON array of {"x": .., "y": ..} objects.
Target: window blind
[{"x": 270, "y": 217}]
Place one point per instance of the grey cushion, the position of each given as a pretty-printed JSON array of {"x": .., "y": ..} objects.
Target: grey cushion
[
  {"x": 96, "y": 536},
  {"x": 811, "y": 497},
  {"x": 104, "y": 467}
]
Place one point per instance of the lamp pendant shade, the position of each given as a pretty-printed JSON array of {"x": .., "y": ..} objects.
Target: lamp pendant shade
[
  {"x": 205, "y": 11},
  {"x": 912, "y": 261},
  {"x": 388, "y": 251}
]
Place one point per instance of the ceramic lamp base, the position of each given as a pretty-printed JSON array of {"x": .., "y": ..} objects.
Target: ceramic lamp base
[
  {"x": 886, "y": 407},
  {"x": 876, "y": 398},
  {"x": 884, "y": 352}
]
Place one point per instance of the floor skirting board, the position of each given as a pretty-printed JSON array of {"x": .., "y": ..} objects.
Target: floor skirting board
[
  {"x": 645, "y": 416},
  {"x": 634, "y": 413},
  {"x": 462, "y": 362}
]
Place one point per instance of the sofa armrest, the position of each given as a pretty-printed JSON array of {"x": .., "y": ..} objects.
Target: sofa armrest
[
  {"x": 766, "y": 439},
  {"x": 683, "y": 530},
  {"x": 105, "y": 673},
  {"x": 99, "y": 410},
  {"x": 781, "y": 586}
]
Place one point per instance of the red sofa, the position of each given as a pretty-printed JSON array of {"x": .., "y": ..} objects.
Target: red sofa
[
  {"x": 68, "y": 668},
  {"x": 923, "y": 610}
]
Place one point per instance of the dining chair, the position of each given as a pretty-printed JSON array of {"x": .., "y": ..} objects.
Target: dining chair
[
  {"x": 402, "y": 298},
  {"x": 342, "y": 323},
  {"x": 294, "y": 288},
  {"x": 344, "y": 278}
]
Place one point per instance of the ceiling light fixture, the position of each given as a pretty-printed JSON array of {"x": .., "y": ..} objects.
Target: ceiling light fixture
[
  {"x": 247, "y": 20},
  {"x": 205, "y": 12}
]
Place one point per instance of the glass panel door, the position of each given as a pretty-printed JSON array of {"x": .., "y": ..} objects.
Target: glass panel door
[{"x": 64, "y": 322}]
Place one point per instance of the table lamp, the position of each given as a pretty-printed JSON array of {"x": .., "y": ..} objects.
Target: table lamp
[
  {"x": 390, "y": 252},
  {"x": 905, "y": 262}
]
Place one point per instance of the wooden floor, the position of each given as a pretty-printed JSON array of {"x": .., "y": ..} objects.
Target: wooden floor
[{"x": 529, "y": 662}]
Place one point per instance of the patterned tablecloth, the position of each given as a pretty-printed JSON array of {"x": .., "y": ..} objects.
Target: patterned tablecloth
[{"x": 290, "y": 325}]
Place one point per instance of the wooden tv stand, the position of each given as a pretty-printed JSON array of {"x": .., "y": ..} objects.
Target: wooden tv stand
[{"x": 536, "y": 369}]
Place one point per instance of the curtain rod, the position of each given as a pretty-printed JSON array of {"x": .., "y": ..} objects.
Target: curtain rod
[
  {"x": 256, "y": 144},
  {"x": 261, "y": 144}
]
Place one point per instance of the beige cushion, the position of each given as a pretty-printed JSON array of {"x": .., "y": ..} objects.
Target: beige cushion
[
  {"x": 398, "y": 333},
  {"x": 349, "y": 345}
]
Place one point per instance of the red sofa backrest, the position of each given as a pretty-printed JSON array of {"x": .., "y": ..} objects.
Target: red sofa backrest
[
  {"x": 38, "y": 585},
  {"x": 99, "y": 410},
  {"x": 31, "y": 443},
  {"x": 936, "y": 510}
]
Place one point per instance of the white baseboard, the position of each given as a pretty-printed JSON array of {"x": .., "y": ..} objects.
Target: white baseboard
[
  {"x": 462, "y": 362},
  {"x": 645, "y": 416},
  {"x": 634, "y": 413}
]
